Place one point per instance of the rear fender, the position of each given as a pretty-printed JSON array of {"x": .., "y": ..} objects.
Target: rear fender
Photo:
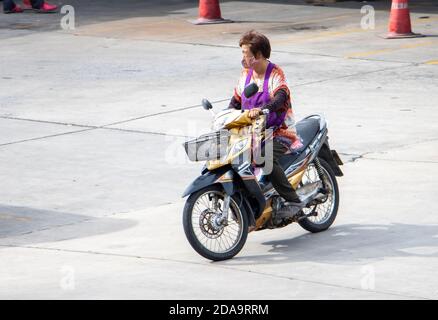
[{"x": 332, "y": 158}]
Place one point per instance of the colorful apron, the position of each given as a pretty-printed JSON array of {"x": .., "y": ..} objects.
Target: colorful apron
[{"x": 261, "y": 98}]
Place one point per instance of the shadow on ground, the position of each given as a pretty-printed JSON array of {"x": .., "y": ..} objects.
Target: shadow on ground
[
  {"x": 351, "y": 244},
  {"x": 23, "y": 221}
]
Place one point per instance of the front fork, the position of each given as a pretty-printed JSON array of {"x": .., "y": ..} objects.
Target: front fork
[{"x": 222, "y": 219}]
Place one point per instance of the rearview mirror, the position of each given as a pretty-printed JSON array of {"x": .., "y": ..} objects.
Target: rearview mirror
[
  {"x": 206, "y": 104},
  {"x": 250, "y": 90}
]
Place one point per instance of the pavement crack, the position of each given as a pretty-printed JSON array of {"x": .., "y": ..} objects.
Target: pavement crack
[
  {"x": 395, "y": 147},
  {"x": 149, "y": 132},
  {"x": 106, "y": 126},
  {"x": 226, "y": 99},
  {"x": 353, "y": 156},
  {"x": 86, "y": 128},
  {"x": 162, "y": 112},
  {"x": 238, "y": 48},
  {"x": 332, "y": 284},
  {"x": 215, "y": 265},
  {"x": 404, "y": 161},
  {"x": 48, "y": 122},
  {"x": 52, "y": 227},
  {"x": 352, "y": 75},
  {"x": 45, "y": 137},
  {"x": 404, "y": 145}
]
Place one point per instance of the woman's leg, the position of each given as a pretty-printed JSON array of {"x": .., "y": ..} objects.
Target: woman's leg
[
  {"x": 8, "y": 5},
  {"x": 278, "y": 177},
  {"x": 37, "y": 4}
]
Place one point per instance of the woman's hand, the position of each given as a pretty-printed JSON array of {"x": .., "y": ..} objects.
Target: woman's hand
[{"x": 254, "y": 113}]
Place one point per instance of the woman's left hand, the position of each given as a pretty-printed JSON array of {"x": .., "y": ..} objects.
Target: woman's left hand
[{"x": 254, "y": 113}]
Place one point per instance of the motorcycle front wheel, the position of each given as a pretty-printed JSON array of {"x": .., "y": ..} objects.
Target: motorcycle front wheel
[{"x": 206, "y": 234}]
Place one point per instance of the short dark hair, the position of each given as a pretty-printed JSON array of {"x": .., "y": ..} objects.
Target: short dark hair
[{"x": 257, "y": 43}]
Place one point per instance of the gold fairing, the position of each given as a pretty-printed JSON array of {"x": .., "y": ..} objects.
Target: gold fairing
[
  {"x": 240, "y": 128},
  {"x": 267, "y": 213},
  {"x": 241, "y": 121},
  {"x": 236, "y": 135}
]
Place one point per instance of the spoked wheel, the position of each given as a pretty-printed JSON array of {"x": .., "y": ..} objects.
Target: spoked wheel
[
  {"x": 212, "y": 237},
  {"x": 326, "y": 211}
]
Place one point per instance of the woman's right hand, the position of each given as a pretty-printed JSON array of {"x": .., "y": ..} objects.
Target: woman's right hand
[{"x": 254, "y": 113}]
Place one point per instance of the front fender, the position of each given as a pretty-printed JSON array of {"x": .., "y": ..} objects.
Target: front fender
[{"x": 224, "y": 177}]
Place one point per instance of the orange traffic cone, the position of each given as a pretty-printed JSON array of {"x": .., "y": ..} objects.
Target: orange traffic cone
[
  {"x": 400, "y": 21},
  {"x": 209, "y": 13}
]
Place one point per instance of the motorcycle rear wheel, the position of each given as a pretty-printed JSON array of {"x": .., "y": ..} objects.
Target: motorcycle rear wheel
[{"x": 328, "y": 210}]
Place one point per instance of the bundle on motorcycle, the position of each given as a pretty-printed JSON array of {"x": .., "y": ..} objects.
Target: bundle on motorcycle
[{"x": 228, "y": 199}]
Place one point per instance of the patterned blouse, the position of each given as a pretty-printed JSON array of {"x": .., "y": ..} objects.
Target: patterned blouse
[{"x": 279, "y": 92}]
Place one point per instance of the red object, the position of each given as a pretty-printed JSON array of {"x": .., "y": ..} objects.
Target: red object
[
  {"x": 47, "y": 8},
  {"x": 210, "y": 12},
  {"x": 209, "y": 9},
  {"x": 27, "y": 5},
  {"x": 17, "y": 9},
  {"x": 400, "y": 21}
]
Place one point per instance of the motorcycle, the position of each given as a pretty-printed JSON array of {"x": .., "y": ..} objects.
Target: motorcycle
[{"x": 232, "y": 196}]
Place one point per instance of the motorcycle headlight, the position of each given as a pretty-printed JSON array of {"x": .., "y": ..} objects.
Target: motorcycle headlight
[
  {"x": 238, "y": 146},
  {"x": 219, "y": 124}
]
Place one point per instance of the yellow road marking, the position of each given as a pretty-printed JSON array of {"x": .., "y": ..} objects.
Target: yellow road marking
[
  {"x": 374, "y": 52},
  {"x": 11, "y": 217},
  {"x": 323, "y": 34},
  {"x": 431, "y": 62},
  {"x": 328, "y": 34},
  {"x": 423, "y": 21},
  {"x": 321, "y": 19}
]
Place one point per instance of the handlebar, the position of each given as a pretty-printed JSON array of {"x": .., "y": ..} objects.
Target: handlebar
[{"x": 263, "y": 112}]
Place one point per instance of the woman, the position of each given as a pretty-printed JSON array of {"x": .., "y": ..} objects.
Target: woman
[{"x": 273, "y": 95}]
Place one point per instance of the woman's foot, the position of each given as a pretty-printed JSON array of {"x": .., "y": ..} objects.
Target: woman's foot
[
  {"x": 47, "y": 8},
  {"x": 27, "y": 5},
  {"x": 16, "y": 9},
  {"x": 290, "y": 209}
]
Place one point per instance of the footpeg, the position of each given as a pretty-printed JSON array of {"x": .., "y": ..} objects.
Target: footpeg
[{"x": 304, "y": 216}]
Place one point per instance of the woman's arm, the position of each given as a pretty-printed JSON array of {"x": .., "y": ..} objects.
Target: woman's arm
[
  {"x": 235, "y": 104},
  {"x": 277, "y": 102}
]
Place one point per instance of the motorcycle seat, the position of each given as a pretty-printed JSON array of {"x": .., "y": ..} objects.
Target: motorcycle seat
[{"x": 307, "y": 129}]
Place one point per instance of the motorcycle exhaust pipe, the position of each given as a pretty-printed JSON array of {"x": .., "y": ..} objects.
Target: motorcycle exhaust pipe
[{"x": 309, "y": 191}]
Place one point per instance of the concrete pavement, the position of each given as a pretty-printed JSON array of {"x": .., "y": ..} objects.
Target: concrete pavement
[{"x": 92, "y": 168}]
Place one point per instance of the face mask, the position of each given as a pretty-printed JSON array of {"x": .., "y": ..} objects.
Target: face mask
[{"x": 249, "y": 63}]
